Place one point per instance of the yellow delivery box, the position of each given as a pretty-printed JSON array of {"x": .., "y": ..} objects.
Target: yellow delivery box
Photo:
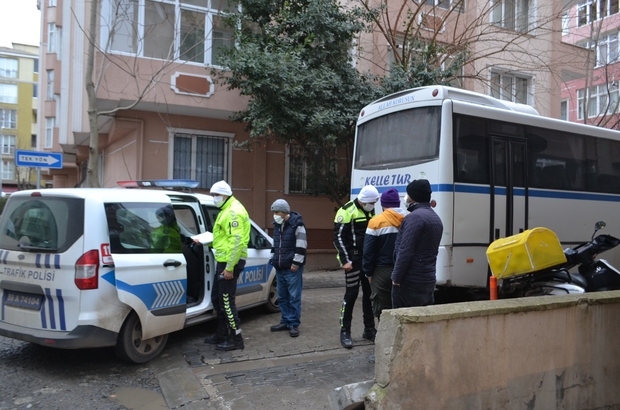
[{"x": 527, "y": 252}]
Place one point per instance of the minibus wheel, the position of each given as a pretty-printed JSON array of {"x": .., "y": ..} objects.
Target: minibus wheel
[{"x": 130, "y": 346}]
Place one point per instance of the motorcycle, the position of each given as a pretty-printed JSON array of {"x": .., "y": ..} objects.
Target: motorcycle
[{"x": 593, "y": 275}]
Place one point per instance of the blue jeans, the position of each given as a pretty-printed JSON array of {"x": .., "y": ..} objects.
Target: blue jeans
[{"x": 289, "y": 295}]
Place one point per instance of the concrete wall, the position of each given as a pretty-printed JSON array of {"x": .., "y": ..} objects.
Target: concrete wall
[{"x": 557, "y": 352}]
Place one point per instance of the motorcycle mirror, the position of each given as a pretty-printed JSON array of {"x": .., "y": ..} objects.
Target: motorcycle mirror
[{"x": 598, "y": 226}]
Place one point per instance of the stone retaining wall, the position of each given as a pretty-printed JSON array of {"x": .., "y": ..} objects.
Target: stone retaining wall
[{"x": 558, "y": 352}]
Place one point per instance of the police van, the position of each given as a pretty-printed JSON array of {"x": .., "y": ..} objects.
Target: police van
[{"x": 83, "y": 268}]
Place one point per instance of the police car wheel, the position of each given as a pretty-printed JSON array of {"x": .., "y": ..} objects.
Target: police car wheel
[
  {"x": 272, "y": 301},
  {"x": 130, "y": 346}
]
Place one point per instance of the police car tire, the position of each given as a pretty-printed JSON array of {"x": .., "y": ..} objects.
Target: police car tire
[
  {"x": 272, "y": 305},
  {"x": 131, "y": 348}
]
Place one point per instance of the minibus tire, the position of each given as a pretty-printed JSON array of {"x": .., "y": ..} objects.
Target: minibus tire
[
  {"x": 131, "y": 348},
  {"x": 272, "y": 305}
]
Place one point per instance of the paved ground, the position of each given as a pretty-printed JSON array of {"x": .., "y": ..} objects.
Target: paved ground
[{"x": 274, "y": 371}]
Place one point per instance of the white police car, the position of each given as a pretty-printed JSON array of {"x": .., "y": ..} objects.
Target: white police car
[{"x": 102, "y": 267}]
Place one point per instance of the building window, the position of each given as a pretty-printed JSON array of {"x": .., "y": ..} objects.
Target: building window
[
  {"x": 509, "y": 87},
  {"x": 33, "y": 141},
  {"x": 49, "y": 131},
  {"x": 8, "y": 67},
  {"x": 8, "y": 118},
  {"x": 458, "y": 5},
  {"x": 307, "y": 169},
  {"x": 564, "y": 110},
  {"x": 8, "y": 93},
  {"x": 8, "y": 170},
  {"x": 8, "y": 144},
  {"x": 511, "y": 14},
  {"x": 565, "y": 24},
  {"x": 52, "y": 3},
  {"x": 200, "y": 157},
  {"x": 607, "y": 49},
  {"x": 50, "y": 85},
  {"x": 591, "y": 10},
  {"x": 51, "y": 38},
  {"x": 148, "y": 29},
  {"x": 600, "y": 100},
  {"x": 36, "y": 65},
  {"x": 35, "y": 90}
]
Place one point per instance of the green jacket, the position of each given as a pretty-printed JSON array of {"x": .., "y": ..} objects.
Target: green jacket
[{"x": 231, "y": 233}]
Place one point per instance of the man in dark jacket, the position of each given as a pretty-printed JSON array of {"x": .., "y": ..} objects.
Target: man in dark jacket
[
  {"x": 416, "y": 249},
  {"x": 288, "y": 256}
]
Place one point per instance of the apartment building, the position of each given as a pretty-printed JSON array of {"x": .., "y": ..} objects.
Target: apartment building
[
  {"x": 163, "y": 116},
  {"x": 18, "y": 111},
  {"x": 592, "y": 98}
]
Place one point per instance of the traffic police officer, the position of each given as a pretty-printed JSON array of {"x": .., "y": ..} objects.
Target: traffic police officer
[{"x": 349, "y": 231}]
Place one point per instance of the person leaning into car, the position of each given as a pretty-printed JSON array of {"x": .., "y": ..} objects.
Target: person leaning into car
[{"x": 231, "y": 234}]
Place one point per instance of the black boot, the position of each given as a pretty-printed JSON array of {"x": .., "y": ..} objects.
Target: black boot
[
  {"x": 345, "y": 338},
  {"x": 233, "y": 342},
  {"x": 369, "y": 333},
  {"x": 220, "y": 336}
]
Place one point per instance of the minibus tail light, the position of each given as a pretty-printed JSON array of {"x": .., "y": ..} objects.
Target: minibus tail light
[{"x": 87, "y": 270}]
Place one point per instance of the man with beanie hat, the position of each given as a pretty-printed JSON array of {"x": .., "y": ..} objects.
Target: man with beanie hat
[
  {"x": 416, "y": 248},
  {"x": 349, "y": 230},
  {"x": 288, "y": 256},
  {"x": 231, "y": 234},
  {"x": 378, "y": 260}
]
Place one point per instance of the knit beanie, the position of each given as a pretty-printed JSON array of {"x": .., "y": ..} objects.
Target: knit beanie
[
  {"x": 419, "y": 190},
  {"x": 221, "y": 188},
  {"x": 390, "y": 199},
  {"x": 280, "y": 205},
  {"x": 368, "y": 194}
]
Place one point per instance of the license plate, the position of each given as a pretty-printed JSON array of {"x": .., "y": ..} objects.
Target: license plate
[{"x": 23, "y": 300}]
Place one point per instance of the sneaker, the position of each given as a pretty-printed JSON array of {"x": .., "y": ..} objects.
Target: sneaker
[
  {"x": 294, "y": 332},
  {"x": 279, "y": 327},
  {"x": 345, "y": 339},
  {"x": 369, "y": 334}
]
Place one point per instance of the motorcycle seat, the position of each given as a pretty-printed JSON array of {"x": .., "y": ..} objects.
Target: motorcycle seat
[{"x": 574, "y": 278}]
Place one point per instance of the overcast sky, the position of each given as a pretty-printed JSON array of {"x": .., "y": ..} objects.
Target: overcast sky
[{"x": 20, "y": 22}]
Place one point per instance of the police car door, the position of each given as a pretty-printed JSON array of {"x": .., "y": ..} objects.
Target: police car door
[{"x": 149, "y": 267}]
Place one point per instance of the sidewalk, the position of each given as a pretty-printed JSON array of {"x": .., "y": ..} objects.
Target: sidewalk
[{"x": 276, "y": 371}]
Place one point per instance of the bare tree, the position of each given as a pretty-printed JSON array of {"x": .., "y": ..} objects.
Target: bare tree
[{"x": 484, "y": 37}]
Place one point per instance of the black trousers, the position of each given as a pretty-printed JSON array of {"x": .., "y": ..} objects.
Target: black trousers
[
  {"x": 224, "y": 299},
  {"x": 353, "y": 281}
]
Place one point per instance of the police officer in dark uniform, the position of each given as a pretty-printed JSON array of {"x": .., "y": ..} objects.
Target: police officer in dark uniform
[{"x": 349, "y": 232}]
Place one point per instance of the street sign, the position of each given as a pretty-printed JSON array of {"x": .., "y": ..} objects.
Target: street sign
[{"x": 38, "y": 159}]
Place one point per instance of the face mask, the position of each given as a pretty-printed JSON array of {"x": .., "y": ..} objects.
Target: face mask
[
  {"x": 218, "y": 201},
  {"x": 368, "y": 207},
  {"x": 278, "y": 219}
]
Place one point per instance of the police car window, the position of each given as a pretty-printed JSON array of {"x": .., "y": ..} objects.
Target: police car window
[
  {"x": 257, "y": 240},
  {"x": 210, "y": 215},
  {"x": 142, "y": 228},
  {"x": 186, "y": 218},
  {"x": 41, "y": 224}
]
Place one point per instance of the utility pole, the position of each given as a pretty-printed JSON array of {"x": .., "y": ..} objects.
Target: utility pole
[{"x": 1, "y": 153}]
